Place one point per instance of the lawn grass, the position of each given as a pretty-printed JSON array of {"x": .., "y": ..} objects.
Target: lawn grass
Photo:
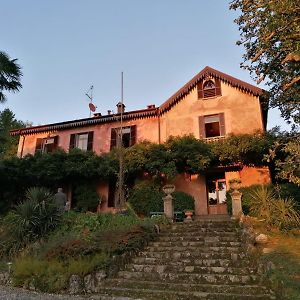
[{"x": 285, "y": 256}]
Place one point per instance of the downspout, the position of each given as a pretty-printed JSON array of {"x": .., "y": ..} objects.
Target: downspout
[
  {"x": 23, "y": 142},
  {"x": 158, "y": 128}
]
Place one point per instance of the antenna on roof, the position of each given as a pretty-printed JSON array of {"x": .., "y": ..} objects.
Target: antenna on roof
[{"x": 89, "y": 94}]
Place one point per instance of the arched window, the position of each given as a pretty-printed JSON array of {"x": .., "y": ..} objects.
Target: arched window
[{"x": 209, "y": 89}]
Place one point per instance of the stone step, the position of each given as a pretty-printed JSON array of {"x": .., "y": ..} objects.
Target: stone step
[
  {"x": 191, "y": 277},
  {"x": 188, "y": 287},
  {"x": 187, "y": 238},
  {"x": 216, "y": 230},
  {"x": 192, "y": 269},
  {"x": 188, "y": 261},
  {"x": 209, "y": 242},
  {"x": 194, "y": 249},
  {"x": 213, "y": 218},
  {"x": 206, "y": 224},
  {"x": 199, "y": 233},
  {"x": 176, "y": 255},
  {"x": 155, "y": 294}
]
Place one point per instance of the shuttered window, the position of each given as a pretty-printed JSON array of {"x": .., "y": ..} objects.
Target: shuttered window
[
  {"x": 209, "y": 88},
  {"x": 46, "y": 145},
  {"x": 83, "y": 141},
  {"x": 128, "y": 136},
  {"x": 212, "y": 126}
]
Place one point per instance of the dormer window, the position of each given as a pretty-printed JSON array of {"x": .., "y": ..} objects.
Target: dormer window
[{"x": 208, "y": 88}]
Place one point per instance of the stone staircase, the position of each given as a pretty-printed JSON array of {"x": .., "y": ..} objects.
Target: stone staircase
[{"x": 198, "y": 260}]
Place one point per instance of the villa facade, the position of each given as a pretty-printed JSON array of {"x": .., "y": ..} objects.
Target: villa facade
[{"x": 210, "y": 106}]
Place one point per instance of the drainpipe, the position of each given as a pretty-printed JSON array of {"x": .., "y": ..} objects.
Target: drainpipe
[
  {"x": 23, "y": 142},
  {"x": 158, "y": 128}
]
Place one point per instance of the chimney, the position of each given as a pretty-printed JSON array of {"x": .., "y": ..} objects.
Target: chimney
[
  {"x": 121, "y": 108},
  {"x": 150, "y": 106},
  {"x": 109, "y": 112},
  {"x": 97, "y": 115}
]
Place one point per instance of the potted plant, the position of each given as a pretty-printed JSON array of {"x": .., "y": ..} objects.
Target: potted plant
[
  {"x": 188, "y": 214},
  {"x": 235, "y": 183}
]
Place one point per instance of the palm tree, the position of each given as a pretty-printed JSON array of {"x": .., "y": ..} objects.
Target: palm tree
[{"x": 10, "y": 75}]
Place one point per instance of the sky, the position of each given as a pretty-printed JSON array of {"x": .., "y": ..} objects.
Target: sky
[{"x": 65, "y": 46}]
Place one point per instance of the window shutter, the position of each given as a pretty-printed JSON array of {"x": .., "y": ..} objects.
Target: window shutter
[
  {"x": 132, "y": 135},
  {"x": 55, "y": 145},
  {"x": 222, "y": 124},
  {"x": 90, "y": 141},
  {"x": 202, "y": 134},
  {"x": 200, "y": 89},
  {"x": 39, "y": 145},
  {"x": 72, "y": 142},
  {"x": 218, "y": 87},
  {"x": 113, "y": 138}
]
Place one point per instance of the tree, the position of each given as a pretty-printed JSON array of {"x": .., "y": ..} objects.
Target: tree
[
  {"x": 8, "y": 144},
  {"x": 10, "y": 75},
  {"x": 270, "y": 33}
]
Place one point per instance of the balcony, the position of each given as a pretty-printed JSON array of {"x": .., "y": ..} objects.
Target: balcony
[{"x": 214, "y": 139}]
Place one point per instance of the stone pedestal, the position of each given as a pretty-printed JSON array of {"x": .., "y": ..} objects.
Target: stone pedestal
[
  {"x": 236, "y": 204},
  {"x": 169, "y": 207}
]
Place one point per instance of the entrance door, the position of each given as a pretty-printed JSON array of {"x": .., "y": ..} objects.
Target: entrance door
[{"x": 216, "y": 195}]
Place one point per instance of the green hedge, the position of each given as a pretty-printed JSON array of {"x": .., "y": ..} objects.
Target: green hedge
[{"x": 146, "y": 197}]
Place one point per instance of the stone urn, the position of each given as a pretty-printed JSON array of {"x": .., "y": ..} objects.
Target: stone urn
[
  {"x": 236, "y": 196},
  {"x": 235, "y": 184},
  {"x": 189, "y": 215},
  {"x": 168, "y": 189}
]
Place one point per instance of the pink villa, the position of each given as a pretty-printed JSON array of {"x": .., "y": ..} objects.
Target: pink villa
[{"x": 210, "y": 106}]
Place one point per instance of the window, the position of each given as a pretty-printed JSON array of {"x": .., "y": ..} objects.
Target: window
[
  {"x": 128, "y": 136},
  {"x": 212, "y": 126},
  {"x": 83, "y": 141},
  {"x": 46, "y": 145},
  {"x": 209, "y": 88}
]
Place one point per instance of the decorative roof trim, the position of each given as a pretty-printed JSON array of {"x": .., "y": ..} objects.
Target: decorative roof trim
[
  {"x": 208, "y": 71},
  {"x": 131, "y": 115}
]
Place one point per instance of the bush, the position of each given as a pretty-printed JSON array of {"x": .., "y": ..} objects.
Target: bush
[
  {"x": 288, "y": 190},
  {"x": 246, "y": 198},
  {"x": 35, "y": 218},
  {"x": 53, "y": 275},
  {"x": 146, "y": 197},
  {"x": 275, "y": 211},
  {"x": 86, "y": 198},
  {"x": 183, "y": 201}
]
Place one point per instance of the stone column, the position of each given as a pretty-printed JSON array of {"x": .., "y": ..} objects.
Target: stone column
[
  {"x": 168, "y": 207},
  {"x": 236, "y": 204}
]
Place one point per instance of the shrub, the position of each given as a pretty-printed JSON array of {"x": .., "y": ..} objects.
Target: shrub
[
  {"x": 146, "y": 197},
  {"x": 288, "y": 190},
  {"x": 53, "y": 275},
  {"x": 86, "y": 198},
  {"x": 35, "y": 218},
  {"x": 246, "y": 198},
  {"x": 285, "y": 214},
  {"x": 261, "y": 200},
  {"x": 275, "y": 211},
  {"x": 183, "y": 201}
]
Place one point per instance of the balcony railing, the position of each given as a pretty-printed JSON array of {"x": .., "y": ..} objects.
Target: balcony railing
[{"x": 214, "y": 139}]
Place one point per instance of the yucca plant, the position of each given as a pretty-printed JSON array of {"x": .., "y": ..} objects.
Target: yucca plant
[
  {"x": 285, "y": 214},
  {"x": 261, "y": 201},
  {"x": 35, "y": 217}
]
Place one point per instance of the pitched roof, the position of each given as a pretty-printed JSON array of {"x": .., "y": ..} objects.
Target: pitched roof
[
  {"x": 144, "y": 113},
  {"x": 242, "y": 85}
]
